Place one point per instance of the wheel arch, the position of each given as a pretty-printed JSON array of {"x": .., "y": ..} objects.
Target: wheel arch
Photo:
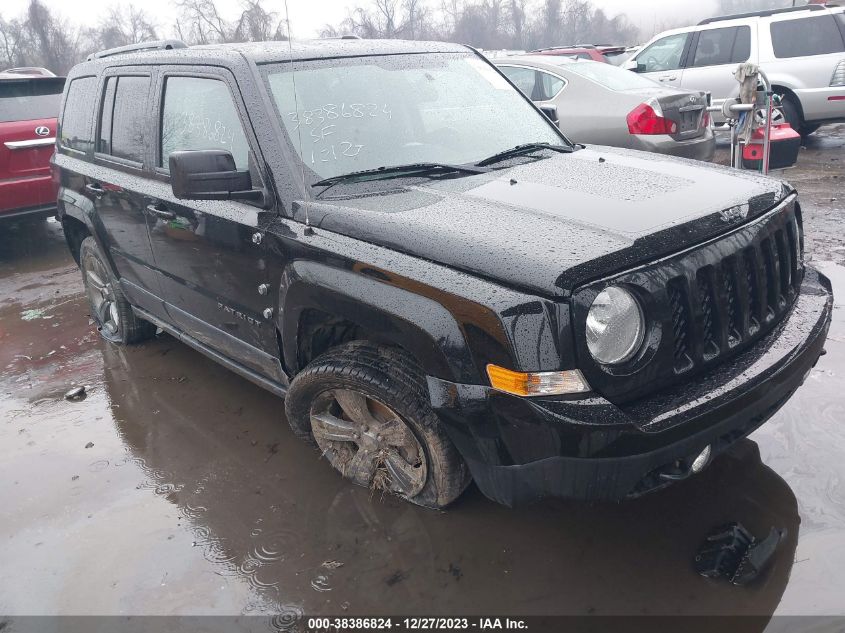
[
  {"x": 315, "y": 295},
  {"x": 787, "y": 92}
]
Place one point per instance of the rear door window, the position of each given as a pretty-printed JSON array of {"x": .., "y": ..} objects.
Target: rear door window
[
  {"x": 818, "y": 35},
  {"x": 76, "y": 124},
  {"x": 123, "y": 118},
  {"x": 29, "y": 99},
  {"x": 731, "y": 45},
  {"x": 199, "y": 113}
]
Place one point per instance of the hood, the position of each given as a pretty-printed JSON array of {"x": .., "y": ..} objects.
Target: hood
[{"x": 550, "y": 225}]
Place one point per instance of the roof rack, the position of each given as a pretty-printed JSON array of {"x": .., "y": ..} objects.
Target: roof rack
[
  {"x": 157, "y": 45},
  {"x": 763, "y": 14}
]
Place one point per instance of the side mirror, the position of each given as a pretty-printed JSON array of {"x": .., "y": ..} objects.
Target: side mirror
[
  {"x": 634, "y": 66},
  {"x": 551, "y": 112},
  {"x": 210, "y": 174}
]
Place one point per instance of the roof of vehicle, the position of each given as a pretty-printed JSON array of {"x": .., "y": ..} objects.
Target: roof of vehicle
[
  {"x": 28, "y": 71},
  {"x": 574, "y": 47},
  {"x": 549, "y": 61},
  {"x": 7, "y": 76},
  {"x": 277, "y": 51},
  {"x": 743, "y": 18},
  {"x": 765, "y": 13}
]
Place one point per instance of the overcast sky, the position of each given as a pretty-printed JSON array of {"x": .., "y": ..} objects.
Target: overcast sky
[{"x": 308, "y": 16}]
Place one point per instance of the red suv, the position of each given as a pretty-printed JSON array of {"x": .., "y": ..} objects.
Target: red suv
[{"x": 29, "y": 105}]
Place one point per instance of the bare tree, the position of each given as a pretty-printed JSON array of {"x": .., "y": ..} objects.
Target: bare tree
[
  {"x": 42, "y": 38},
  {"x": 122, "y": 26},
  {"x": 55, "y": 46},
  {"x": 200, "y": 22}
]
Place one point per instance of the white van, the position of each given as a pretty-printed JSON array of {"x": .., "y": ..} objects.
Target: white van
[{"x": 801, "y": 50}]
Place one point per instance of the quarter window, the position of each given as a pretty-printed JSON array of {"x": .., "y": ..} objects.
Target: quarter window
[
  {"x": 730, "y": 45},
  {"x": 664, "y": 54},
  {"x": 75, "y": 130},
  {"x": 818, "y": 35},
  {"x": 123, "y": 118},
  {"x": 199, "y": 113}
]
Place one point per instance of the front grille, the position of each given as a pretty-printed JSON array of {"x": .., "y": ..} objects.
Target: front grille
[
  {"x": 706, "y": 303},
  {"x": 729, "y": 303}
]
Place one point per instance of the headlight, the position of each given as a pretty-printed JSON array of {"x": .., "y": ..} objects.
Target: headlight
[{"x": 615, "y": 326}]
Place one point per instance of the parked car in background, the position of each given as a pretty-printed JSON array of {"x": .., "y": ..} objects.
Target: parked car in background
[
  {"x": 605, "y": 53},
  {"x": 620, "y": 58},
  {"x": 29, "y": 106},
  {"x": 575, "y": 51},
  {"x": 801, "y": 50},
  {"x": 605, "y": 105}
]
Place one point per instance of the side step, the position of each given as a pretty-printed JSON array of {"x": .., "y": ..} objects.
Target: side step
[{"x": 251, "y": 375}]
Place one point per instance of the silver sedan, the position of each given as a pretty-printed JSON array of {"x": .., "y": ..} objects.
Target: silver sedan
[{"x": 605, "y": 105}]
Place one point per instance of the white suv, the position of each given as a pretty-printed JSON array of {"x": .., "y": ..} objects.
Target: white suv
[{"x": 801, "y": 50}]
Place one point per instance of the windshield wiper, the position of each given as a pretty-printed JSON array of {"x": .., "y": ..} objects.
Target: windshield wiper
[
  {"x": 524, "y": 148},
  {"x": 396, "y": 171}
]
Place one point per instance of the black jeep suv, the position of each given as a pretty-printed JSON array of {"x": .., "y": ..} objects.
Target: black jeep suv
[{"x": 444, "y": 287}]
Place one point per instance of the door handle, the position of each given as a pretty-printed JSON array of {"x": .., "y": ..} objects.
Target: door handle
[
  {"x": 96, "y": 189},
  {"x": 160, "y": 212},
  {"x": 668, "y": 78}
]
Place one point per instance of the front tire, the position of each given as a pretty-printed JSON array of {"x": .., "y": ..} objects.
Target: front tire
[
  {"x": 110, "y": 310},
  {"x": 366, "y": 409}
]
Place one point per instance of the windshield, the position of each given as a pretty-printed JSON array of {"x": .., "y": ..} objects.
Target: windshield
[
  {"x": 611, "y": 76},
  {"x": 363, "y": 113}
]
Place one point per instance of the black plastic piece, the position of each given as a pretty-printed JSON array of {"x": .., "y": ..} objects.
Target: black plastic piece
[{"x": 732, "y": 552}]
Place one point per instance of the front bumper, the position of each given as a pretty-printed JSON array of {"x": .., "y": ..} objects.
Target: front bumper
[{"x": 523, "y": 449}]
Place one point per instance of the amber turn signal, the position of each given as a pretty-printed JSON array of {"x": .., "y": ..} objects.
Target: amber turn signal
[{"x": 545, "y": 383}]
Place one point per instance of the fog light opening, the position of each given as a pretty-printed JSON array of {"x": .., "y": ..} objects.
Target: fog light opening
[{"x": 702, "y": 460}]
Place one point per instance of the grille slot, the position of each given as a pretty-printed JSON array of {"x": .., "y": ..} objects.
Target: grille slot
[
  {"x": 752, "y": 286},
  {"x": 771, "y": 280},
  {"x": 709, "y": 317},
  {"x": 681, "y": 321},
  {"x": 795, "y": 255},
  {"x": 733, "y": 311},
  {"x": 784, "y": 265}
]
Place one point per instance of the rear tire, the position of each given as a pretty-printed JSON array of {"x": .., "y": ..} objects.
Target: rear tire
[
  {"x": 366, "y": 407},
  {"x": 114, "y": 317}
]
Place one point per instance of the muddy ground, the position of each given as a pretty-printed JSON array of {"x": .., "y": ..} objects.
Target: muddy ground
[{"x": 176, "y": 487}]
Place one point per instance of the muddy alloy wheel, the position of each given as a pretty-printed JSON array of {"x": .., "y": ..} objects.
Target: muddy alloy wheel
[
  {"x": 109, "y": 308},
  {"x": 368, "y": 442},
  {"x": 102, "y": 298},
  {"x": 366, "y": 407}
]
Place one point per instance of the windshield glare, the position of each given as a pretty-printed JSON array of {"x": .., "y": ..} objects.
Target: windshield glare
[{"x": 368, "y": 112}]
